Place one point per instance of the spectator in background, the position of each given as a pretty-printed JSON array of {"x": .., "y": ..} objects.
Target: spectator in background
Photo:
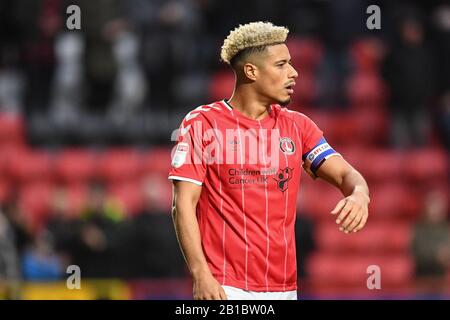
[
  {"x": 96, "y": 241},
  {"x": 62, "y": 227},
  {"x": 305, "y": 242},
  {"x": 19, "y": 225},
  {"x": 40, "y": 262},
  {"x": 106, "y": 52},
  {"x": 11, "y": 80},
  {"x": 102, "y": 22},
  {"x": 443, "y": 119},
  {"x": 431, "y": 244},
  {"x": 9, "y": 261},
  {"x": 306, "y": 245},
  {"x": 37, "y": 23},
  {"x": 169, "y": 35},
  {"x": 441, "y": 42},
  {"x": 441, "y": 23},
  {"x": 67, "y": 84},
  {"x": 409, "y": 72},
  {"x": 130, "y": 86},
  {"x": 154, "y": 245}
]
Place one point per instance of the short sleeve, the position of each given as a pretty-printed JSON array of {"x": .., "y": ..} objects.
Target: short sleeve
[
  {"x": 311, "y": 134},
  {"x": 315, "y": 147},
  {"x": 188, "y": 163}
]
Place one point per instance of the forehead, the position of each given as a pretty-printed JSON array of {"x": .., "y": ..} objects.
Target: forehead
[{"x": 278, "y": 52}]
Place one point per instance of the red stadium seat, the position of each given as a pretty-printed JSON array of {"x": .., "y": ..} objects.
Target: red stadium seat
[
  {"x": 391, "y": 200},
  {"x": 130, "y": 196},
  {"x": 5, "y": 192},
  {"x": 366, "y": 90},
  {"x": 394, "y": 200},
  {"x": 35, "y": 202},
  {"x": 75, "y": 166},
  {"x": 317, "y": 199},
  {"x": 5, "y": 156},
  {"x": 305, "y": 91},
  {"x": 67, "y": 201},
  {"x": 119, "y": 165},
  {"x": 353, "y": 154},
  {"x": 77, "y": 196},
  {"x": 372, "y": 127},
  {"x": 440, "y": 186},
  {"x": 306, "y": 53},
  {"x": 359, "y": 128},
  {"x": 427, "y": 165},
  {"x": 158, "y": 192},
  {"x": 353, "y": 270},
  {"x": 378, "y": 237},
  {"x": 157, "y": 160},
  {"x": 222, "y": 85},
  {"x": 332, "y": 125},
  {"x": 12, "y": 130},
  {"x": 31, "y": 166},
  {"x": 378, "y": 165},
  {"x": 367, "y": 54}
]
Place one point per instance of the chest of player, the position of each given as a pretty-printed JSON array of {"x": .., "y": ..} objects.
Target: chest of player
[{"x": 255, "y": 157}]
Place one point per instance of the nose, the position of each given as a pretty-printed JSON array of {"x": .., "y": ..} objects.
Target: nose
[{"x": 293, "y": 73}]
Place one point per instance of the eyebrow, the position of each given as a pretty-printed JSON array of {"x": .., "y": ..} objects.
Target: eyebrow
[{"x": 283, "y": 60}]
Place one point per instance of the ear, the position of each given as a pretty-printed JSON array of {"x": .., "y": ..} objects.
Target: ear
[{"x": 250, "y": 71}]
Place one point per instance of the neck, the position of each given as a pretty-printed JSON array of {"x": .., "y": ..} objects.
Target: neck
[{"x": 246, "y": 101}]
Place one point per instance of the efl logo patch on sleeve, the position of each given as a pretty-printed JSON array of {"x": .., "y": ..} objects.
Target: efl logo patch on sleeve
[
  {"x": 179, "y": 157},
  {"x": 314, "y": 158}
]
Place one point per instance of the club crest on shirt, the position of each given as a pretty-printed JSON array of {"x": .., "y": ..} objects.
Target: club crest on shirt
[
  {"x": 180, "y": 154},
  {"x": 282, "y": 178},
  {"x": 287, "y": 146}
]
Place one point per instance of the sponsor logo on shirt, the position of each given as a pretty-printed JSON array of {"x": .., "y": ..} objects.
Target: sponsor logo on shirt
[
  {"x": 245, "y": 176},
  {"x": 318, "y": 150},
  {"x": 283, "y": 177}
]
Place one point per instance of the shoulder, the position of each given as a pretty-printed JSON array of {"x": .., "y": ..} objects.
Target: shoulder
[
  {"x": 204, "y": 111},
  {"x": 299, "y": 118}
]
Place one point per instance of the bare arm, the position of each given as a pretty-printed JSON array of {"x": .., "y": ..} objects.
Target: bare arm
[
  {"x": 185, "y": 199},
  {"x": 353, "y": 209}
]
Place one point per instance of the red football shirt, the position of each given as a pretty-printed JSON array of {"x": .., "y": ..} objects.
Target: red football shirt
[{"x": 250, "y": 175}]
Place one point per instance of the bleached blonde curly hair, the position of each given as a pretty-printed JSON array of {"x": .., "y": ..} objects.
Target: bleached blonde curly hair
[{"x": 253, "y": 34}]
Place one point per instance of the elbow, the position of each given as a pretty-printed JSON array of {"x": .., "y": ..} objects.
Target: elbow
[{"x": 174, "y": 213}]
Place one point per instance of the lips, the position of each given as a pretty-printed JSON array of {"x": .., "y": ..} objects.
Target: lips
[{"x": 290, "y": 87}]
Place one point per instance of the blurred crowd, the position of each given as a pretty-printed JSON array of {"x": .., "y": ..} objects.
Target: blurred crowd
[
  {"x": 101, "y": 240},
  {"x": 137, "y": 67}
]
